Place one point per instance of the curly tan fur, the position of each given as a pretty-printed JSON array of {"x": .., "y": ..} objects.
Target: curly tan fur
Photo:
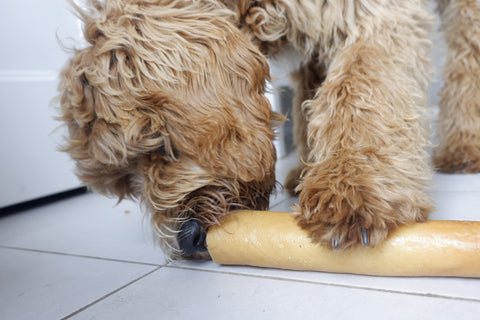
[
  {"x": 363, "y": 98},
  {"x": 166, "y": 104},
  {"x": 459, "y": 126},
  {"x": 370, "y": 169}
]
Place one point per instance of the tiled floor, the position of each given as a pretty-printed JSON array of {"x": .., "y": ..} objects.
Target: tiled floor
[{"x": 85, "y": 258}]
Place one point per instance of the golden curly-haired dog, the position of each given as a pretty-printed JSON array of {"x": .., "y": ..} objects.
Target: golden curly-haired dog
[{"x": 166, "y": 104}]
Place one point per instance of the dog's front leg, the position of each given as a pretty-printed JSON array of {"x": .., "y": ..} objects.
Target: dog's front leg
[{"x": 367, "y": 167}]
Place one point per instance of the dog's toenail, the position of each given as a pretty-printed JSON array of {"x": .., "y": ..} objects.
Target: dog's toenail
[
  {"x": 335, "y": 243},
  {"x": 365, "y": 237},
  {"x": 191, "y": 238}
]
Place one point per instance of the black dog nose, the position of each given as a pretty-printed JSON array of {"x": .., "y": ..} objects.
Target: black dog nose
[{"x": 191, "y": 238}]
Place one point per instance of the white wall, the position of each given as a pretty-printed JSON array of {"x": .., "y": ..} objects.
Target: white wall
[{"x": 30, "y": 60}]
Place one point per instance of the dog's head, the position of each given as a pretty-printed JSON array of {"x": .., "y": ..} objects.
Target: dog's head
[{"x": 166, "y": 104}]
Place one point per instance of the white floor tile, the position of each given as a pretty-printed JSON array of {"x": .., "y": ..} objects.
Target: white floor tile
[
  {"x": 184, "y": 294},
  {"x": 462, "y": 288},
  {"x": 40, "y": 286},
  {"x": 90, "y": 225},
  {"x": 456, "y": 205},
  {"x": 456, "y": 182}
]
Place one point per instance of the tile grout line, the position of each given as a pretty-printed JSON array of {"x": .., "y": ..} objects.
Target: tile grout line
[
  {"x": 109, "y": 294},
  {"x": 170, "y": 266},
  {"x": 427, "y": 295},
  {"x": 82, "y": 256}
]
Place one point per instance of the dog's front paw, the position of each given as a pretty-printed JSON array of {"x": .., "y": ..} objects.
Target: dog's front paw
[
  {"x": 342, "y": 207},
  {"x": 339, "y": 234},
  {"x": 458, "y": 159},
  {"x": 331, "y": 220}
]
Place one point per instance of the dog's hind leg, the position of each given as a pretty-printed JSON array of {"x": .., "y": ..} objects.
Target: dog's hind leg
[
  {"x": 459, "y": 125},
  {"x": 306, "y": 81}
]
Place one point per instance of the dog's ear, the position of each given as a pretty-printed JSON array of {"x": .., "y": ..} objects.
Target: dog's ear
[
  {"x": 105, "y": 97},
  {"x": 107, "y": 126}
]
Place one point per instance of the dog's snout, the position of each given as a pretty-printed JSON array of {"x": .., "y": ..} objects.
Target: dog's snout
[{"x": 191, "y": 238}]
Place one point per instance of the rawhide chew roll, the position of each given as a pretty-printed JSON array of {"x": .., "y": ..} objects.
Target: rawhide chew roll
[{"x": 274, "y": 240}]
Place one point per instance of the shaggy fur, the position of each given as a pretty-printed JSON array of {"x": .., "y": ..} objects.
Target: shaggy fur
[
  {"x": 366, "y": 166},
  {"x": 166, "y": 104},
  {"x": 459, "y": 127}
]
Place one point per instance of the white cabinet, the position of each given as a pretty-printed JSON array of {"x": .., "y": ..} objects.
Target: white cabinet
[{"x": 31, "y": 58}]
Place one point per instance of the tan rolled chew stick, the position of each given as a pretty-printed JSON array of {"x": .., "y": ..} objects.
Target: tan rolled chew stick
[{"x": 274, "y": 240}]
